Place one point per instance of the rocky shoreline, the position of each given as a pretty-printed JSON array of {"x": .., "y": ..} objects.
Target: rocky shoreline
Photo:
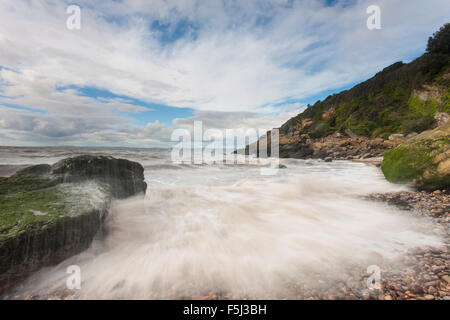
[
  {"x": 49, "y": 213},
  {"x": 426, "y": 275},
  {"x": 420, "y": 274},
  {"x": 337, "y": 146}
]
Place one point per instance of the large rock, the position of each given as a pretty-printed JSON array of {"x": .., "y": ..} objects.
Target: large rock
[
  {"x": 49, "y": 213},
  {"x": 125, "y": 177},
  {"x": 423, "y": 161}
]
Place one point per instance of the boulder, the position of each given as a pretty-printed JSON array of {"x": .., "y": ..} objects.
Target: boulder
[
  {"x": 125, "y": 177},
  {"x": 49, "y": 213},
  {"x": 351, "y": 134},
  {"x": 397, "y": 136},
  {"x": 441, "y": 118},
  {"x": 423, "y": 161},
  {"x": 411, "y": 135}
]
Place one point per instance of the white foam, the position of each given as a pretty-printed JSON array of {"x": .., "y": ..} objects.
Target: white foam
[{"x": 228, "y": 229}]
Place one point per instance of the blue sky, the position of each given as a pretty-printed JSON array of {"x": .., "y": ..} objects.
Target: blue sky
[{"x": 138, "y": 69}]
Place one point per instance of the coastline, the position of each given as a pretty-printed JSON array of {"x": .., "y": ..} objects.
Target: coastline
[
  {"x": 421, "y": 274},
  {"x": 370, "y": 161},
  {"x": 426, "y": 275}
]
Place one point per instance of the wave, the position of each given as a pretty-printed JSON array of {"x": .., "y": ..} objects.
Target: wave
[{"x": 254, "y": 238}]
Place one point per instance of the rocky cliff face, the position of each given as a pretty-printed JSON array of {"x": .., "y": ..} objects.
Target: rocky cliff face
[
  {"x": 48, "y": 213},
  {"x": 401, "y": 99},
  {"x": 374, "y": 116},
  {"x": 336, "y": 147}
]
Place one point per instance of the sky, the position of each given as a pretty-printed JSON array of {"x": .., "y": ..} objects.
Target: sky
[{"x": 136, "y": 70}]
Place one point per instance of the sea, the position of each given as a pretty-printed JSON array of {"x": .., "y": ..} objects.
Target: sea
[{"x": 227, "y": 231}]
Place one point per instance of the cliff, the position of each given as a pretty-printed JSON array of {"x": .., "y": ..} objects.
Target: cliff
[{"x": 376, "y": 115}]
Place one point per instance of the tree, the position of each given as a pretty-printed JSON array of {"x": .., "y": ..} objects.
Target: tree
[{"x": 440, "y": 41}]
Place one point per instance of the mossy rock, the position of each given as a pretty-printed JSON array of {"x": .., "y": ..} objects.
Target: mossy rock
[
  {"x": 49, "y": 213},
  {"x": 25, "y": 182},
  {"x": 423, "y": 161},
  {"x": 30, "y": 210},
  {"x": 43, "y": 226}
]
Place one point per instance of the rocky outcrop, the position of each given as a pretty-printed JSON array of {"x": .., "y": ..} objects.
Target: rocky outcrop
[
  {"x": 125, "y": 178},
  {"x": 423, "y": 161},
  {"x": 49, "y": 213},
  {"x": 334, "y": 147},
  {"x": 400, "y": 101}
]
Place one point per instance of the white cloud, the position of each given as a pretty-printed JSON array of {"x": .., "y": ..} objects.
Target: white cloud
[
  {"x": 239, "y": 57},
  {"x": 32, "y": 128},
  {"x": 235, "y": 120}
]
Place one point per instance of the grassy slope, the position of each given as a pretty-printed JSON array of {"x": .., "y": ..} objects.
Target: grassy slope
[{"x": 384, "y": 104}]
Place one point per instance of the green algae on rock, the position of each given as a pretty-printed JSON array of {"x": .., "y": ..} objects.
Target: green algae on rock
[
  {"x": 49, "y": 213},
  {"x": 423, "y": 161}
]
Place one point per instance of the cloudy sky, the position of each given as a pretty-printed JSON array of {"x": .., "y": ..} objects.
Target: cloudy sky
[{"x": 138, "y": 69}]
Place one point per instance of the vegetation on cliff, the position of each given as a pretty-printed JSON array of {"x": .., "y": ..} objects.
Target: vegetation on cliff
[
  {"x": 440, "y": 41},
  {"x": 403, "y": 98}
]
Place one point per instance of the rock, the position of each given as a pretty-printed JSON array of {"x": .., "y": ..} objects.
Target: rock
[
  {"x": 61, "y": 209},
  {"x": 411, "y": 135},
  {"x": 351, "y": 134},
  {"x": 431, "y": 283},
  {"x": 446, "y": 278},
  {"x": 397, "y": 136},
  {"x": 429, "y": 297},
  {"x": 441, "y": 118},
  {"x": 282, "y": 166},
  {"x": 388, "y": 297},
  {"x": 38, "y": 213},
  {"x": 126, "y": 178},
  {"x": 39, "y": 169},
  {"x": 328, "y": 159},
  {"x": 423, "y": 161},
  {"x": 432, "y": 290}
]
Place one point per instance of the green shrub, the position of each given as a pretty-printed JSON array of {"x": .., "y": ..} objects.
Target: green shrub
[
  {"x": 418, "y": 106},
  {"x": 440, "y": 41}
]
